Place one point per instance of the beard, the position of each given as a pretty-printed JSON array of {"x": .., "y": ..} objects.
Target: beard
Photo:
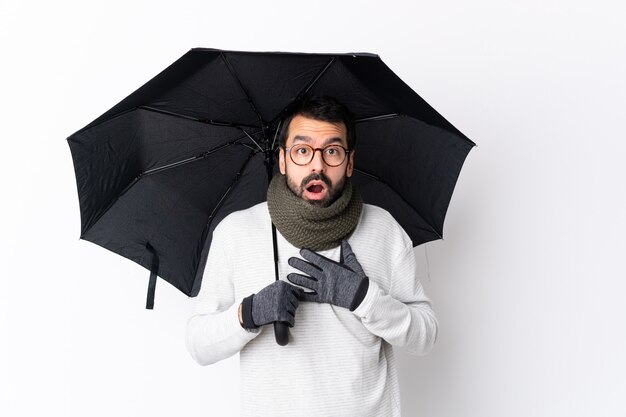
[{"x": 334, "y": 191}]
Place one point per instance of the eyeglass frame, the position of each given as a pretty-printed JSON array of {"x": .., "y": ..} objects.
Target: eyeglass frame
[{"x": 288, "y": 151}]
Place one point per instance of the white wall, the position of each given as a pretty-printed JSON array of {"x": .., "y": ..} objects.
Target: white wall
[{"x": 528, "y": 283}]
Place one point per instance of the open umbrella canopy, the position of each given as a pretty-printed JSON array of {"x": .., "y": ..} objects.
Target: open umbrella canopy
[{"x": 158, "y": 171}]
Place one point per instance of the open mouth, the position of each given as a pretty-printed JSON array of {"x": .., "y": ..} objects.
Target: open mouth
[{"x": 316, "y": 190}]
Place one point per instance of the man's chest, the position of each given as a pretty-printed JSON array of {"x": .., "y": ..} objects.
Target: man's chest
[{"x": 253, "y": 265}]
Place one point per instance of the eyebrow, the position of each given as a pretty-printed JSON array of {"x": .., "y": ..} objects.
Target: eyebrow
[{"x": 326, "y": 142}]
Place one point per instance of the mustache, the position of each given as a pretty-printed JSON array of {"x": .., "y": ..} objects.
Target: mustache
[{"x": 316, "y": 177}]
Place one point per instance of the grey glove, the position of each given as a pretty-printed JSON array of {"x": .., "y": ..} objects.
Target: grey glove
[
  {"x": 276, "y": 302},
  {"x": 342, "y": 284}
]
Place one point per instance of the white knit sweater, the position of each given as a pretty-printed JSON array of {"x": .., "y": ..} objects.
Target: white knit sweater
[{"x": 337, "y": 362}]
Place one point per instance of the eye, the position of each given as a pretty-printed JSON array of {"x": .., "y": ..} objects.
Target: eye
[
  {"x": 302, "y": 150},
  {"x": 334, "y": 151}
]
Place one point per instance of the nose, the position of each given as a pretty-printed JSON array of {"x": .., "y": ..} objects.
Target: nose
[{"x": 317, "y": 164}]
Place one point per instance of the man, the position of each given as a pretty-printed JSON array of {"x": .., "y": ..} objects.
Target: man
[{"x": 347, "y": 289}]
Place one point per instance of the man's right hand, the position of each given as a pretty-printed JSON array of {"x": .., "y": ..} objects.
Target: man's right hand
[{"x": 276, "y": 302}]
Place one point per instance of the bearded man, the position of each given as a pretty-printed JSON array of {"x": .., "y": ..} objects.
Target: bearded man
[{"x": 347, "y": 274}]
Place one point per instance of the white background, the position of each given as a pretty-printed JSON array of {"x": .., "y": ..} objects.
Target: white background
[{"x": 528, "y": 284}]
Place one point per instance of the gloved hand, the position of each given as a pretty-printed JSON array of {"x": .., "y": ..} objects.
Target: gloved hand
[
  {"x": 342, "y": 284},
  {"x": 276, "y": 302}
]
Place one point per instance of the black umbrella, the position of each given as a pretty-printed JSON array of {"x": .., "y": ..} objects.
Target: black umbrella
[{"x": 158, "y": 171}]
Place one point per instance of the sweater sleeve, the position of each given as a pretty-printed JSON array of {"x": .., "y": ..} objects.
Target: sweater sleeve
[
  {"x": 403, "y": 317},
  {"x": 213, "y": 331}
]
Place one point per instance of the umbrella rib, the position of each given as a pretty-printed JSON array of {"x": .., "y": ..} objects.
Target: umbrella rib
[
  {"x": 221, "y": 202},
  {"x": 195, "y": 119},
  {"x": 261, "y": 149},
  {"x": 230, "y": 188},
  {"x": 394, "y": 115},
  {"x": 158, "y": 169},
  {"x": 276, "y": 134},
  {"x": 317, "y": 77},
  {"x": 102, "y": 121},
  {"x": 380, "y": 117},
  {"x": 400, "y": 196},
  {"x": 185, "y": 161},
  {"x": 194, "y": 158},
  {"x": 305, "y": 90},
  {"x": 245, "y": 91}
]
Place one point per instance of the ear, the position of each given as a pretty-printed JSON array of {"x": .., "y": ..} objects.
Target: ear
[
  {"x": 350, "y": 165},
  {"x": 281, "y": 161}
]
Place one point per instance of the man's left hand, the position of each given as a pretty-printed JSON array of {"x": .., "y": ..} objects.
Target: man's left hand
[{"x": 342, "y": 284}]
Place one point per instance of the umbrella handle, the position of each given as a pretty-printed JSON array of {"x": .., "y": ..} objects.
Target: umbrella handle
[{"x": 281, "y": 333}]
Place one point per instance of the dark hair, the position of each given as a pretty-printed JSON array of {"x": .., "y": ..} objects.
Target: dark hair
[{"x": 324, "y": 108}]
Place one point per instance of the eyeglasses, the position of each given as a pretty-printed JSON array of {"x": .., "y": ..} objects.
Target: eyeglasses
[{"x": 302, "y": 154}]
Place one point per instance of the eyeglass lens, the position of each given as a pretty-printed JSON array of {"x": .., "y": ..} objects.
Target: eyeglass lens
[{"x": 302, "y": 154}]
